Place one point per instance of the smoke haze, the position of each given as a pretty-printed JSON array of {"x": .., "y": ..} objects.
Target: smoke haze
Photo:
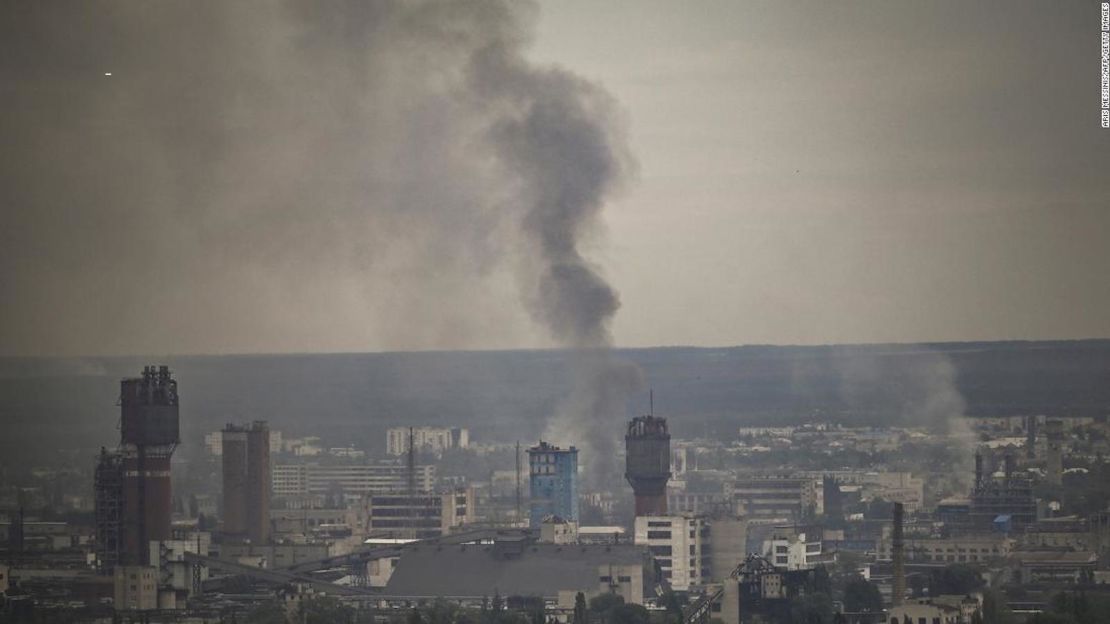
[
  {"x": 252, "y": 170},
  {"x": 256, "y": 177}
]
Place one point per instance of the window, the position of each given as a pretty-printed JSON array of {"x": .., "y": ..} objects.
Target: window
[
  {"x": 658, "y": 535},
  {"x": 605, "y": 579},
  {"x": 659, "y": 523},
  {"x": 624, "y": 579}
]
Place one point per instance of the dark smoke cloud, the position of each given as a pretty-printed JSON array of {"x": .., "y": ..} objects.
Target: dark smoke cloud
[{"x": 291, "y": 176}]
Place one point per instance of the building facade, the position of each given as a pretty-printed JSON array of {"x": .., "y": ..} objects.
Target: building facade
[
  {"x": 419, "y": 516},
  {"x": 773, "y": 496},
  {"x": 680, "y": 545},
  {"x": 793, "y": 549},
  {"x": 377, "y": 478},
  {"x": 552, "y": 483}
]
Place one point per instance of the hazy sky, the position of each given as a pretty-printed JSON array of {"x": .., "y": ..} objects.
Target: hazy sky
[{"x": 294, "y": 179}]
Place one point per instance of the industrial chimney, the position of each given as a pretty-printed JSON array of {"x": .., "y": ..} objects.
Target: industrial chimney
[
  {"x": 648, "y": 463},
  {"x": 1054, "y": 457},
  {"x": 898, "y": 557}
]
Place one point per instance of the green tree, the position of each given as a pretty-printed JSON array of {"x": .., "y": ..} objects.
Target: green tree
[
  {"x": 441, "y": 612},
  {"x": 673, "y": 603},
  {"x": 629, "y": 614},
  {"x": 862, "y": 596},
  {"x": 580, "y": 616},
  {"x": 605, "y": 602},
  {"x": 815, "y": 608},
  {"x": 995, "y": 610},
  {"x": 324, "y": 610},
  {"x": 604, "y": 605},
  {"x": 957, "y": 578},
  {"x": 267, "y": 613}
]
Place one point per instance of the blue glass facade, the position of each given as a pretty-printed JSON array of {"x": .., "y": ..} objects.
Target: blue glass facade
[{"x": 553, "y": 483}]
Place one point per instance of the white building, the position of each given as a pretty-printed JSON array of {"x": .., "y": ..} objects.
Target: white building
[
  {"x": 348, "y": 452},
  {"x": 680, "y": 544},
  {"x": 214, "y": 442},
  {"x": 378, "y": 478},
  {"x": 794, "y": 549},
  {"x": 435, "y": 439}
]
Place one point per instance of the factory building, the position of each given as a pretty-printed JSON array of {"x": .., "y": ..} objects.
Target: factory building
[
  {"x": 521, "y": 567},
  {"x": 133, "y": 496},
  {"x": 246, "y": 482},
  {"x": 1001, "y": 504},
  {"x": 553, "y": 483},
  {"x": 419, "y": 515},
  {"x": 648, "y": 463},
  {"x": 778, "y": 497}
]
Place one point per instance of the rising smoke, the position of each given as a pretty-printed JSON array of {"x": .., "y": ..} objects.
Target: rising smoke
[{"x": 291, "y": 176}]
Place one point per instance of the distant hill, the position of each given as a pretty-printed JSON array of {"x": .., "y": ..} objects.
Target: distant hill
[{"x": 48, "y": 404}]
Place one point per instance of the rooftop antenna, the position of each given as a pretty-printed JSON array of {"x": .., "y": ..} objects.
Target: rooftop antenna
[{"x": 651, "y": 401}]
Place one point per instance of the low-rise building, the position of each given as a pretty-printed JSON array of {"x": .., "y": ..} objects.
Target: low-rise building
[
  {"x": 1054, "y": 567},
  {"x": 959, "y": 549},
  {"x": 924, "y": 610},
  {"x": 521, "y": 567},
  {"x": 419, "y": 516}
]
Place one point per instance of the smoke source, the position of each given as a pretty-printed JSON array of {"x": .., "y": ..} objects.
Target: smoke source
[
  {"x": 207, "y": 176},
  {"x": 559, "y": 141}
]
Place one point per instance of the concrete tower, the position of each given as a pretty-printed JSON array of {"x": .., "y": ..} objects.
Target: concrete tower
[
  {"x": 648, "y": 463},
  {"x": 246, "y": 482}
]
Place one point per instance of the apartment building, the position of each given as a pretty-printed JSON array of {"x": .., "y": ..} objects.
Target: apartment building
[
  {"x": 434, "y": 439},
  {"x": 375, "y": 478}
]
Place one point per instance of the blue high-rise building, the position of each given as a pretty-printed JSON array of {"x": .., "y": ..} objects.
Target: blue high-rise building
[{"x": 553, "y": 483}]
